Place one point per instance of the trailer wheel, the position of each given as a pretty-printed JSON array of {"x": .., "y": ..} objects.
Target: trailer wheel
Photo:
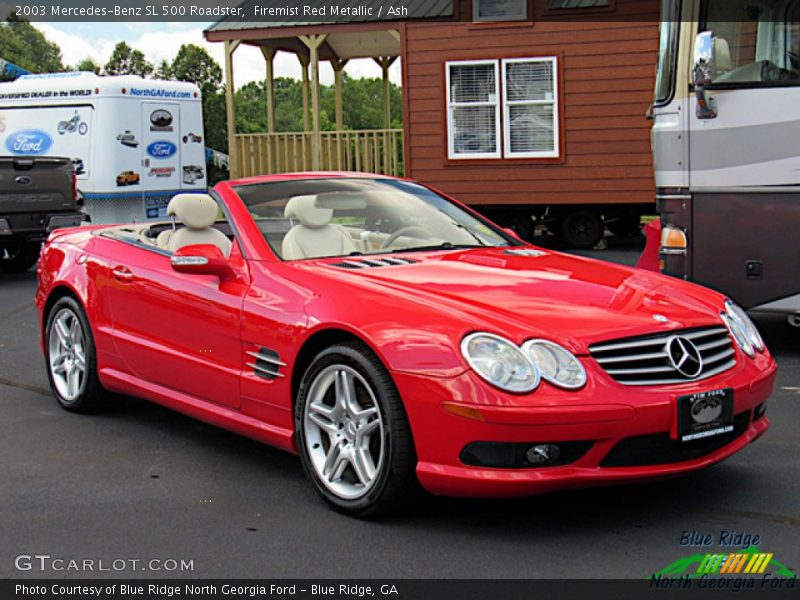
[
  {"x": 582, "y": 229},
  {"x": 18, "y": 256}
]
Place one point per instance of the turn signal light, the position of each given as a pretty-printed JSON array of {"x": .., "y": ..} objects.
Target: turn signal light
[
  {"x": 673, "y": 240},
  {"x": 463, "y": 411}
]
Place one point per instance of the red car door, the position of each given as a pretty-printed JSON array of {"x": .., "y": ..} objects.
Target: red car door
[{"x": 177, "y": 330}]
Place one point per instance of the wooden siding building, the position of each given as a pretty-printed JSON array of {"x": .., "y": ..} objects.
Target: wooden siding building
[{"x": 507, "y": 104}]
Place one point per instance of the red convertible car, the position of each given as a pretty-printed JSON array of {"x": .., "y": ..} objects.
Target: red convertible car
[{"x": 392, "y": 337}]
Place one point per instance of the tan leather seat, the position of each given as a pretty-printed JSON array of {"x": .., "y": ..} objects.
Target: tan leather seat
[
  {"x": 197, "y": 213},
  {"x": 314, "y": 236}
]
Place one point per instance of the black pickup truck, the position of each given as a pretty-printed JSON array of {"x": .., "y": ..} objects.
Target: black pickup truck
[{"x": 37, "y": 195}]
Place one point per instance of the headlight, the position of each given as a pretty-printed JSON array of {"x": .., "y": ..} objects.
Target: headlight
[
  {"x": 500, "y": 362},
  {"x": 556, "y": 364},
  {"x": 745, "y": 326}
]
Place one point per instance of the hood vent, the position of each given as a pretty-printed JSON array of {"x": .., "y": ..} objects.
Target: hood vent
[
  {"x": 371, "y": 263},
  {"x": 267, "y": 363},
  {"x": 524, "y": 252}
]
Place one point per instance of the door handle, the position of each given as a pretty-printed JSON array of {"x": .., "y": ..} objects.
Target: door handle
[{"x": 122, "y": 274}]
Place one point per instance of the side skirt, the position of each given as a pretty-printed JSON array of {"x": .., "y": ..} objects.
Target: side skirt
[{"x": 213, "y": 414}]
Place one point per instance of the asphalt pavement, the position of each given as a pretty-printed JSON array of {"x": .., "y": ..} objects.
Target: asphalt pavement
[{"x": 139, "y": 483}]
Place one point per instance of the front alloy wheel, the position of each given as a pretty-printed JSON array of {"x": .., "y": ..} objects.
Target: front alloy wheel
[
  {"x": 344, "y": 432},
  {"x": 352, "y": 432}
]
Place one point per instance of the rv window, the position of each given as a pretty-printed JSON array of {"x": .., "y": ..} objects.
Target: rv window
[
  {"x": 530, "y": 110},
  {"x": 757, "y": 42}
]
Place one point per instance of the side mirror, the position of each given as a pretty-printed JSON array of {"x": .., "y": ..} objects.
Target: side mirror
[
  {"x": 513, "y": 234},
  {"x": 201, "y": 259},
  {"x": 703, "y": 74}
]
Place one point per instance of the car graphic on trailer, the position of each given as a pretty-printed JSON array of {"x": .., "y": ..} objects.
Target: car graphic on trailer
[
  {"x": 128, "y": 178},
  {"x": 393, "y": 337}
]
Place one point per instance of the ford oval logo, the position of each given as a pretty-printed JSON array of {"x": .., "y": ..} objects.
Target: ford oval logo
[
  {"x": 28, "y": 142},
  {"x": 162, "y": 149}
]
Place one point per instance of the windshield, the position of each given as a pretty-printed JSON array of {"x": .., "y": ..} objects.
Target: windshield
[
  {"x": 756, "y": 43},
  {"x": 314, "y": 218},
  {"x": 667, "y": 50}
]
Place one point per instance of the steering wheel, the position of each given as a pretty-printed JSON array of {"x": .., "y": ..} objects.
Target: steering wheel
[{"x": 408, "y": 229}]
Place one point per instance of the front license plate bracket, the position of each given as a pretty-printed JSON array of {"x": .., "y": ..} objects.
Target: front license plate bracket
[{"x": 705, "y": 414}]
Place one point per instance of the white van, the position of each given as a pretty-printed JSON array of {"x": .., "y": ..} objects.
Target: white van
[{"x": 134, "y": 142}]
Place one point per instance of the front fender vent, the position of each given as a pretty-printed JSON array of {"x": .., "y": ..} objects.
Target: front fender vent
[
  {"x": 267, "y": 363},
  {"x": 371, "y": 263}
]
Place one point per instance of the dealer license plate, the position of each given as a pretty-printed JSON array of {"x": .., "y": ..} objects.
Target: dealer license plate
[{"x": 705, "y": 414}]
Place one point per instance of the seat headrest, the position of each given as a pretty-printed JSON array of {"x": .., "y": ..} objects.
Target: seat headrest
[
  {"x": 195, "y": 211},
  {"x": 304, "y": 209}
]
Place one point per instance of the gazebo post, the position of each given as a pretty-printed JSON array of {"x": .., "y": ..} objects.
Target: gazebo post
[
  {"x": 385, "y": 62},
  {"x": 269, "y": 57},
  {"x": 233, "y": 154},
  {"x": 304, "y": 90},
  {"x": 338, "y": 68},
  {"x": 313, "y": 42}
]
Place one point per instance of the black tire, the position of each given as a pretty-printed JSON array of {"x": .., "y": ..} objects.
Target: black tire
[
  {"x": 394, "y": 484},
  {"x": 582, "y": 229},
  {"x": 18, "y": 256},
  {"x": 625, "y": 225},
  {"x": 92, "y": 396}
]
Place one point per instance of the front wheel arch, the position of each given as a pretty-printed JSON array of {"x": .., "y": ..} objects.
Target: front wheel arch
[{"x": 316, "y": 343}]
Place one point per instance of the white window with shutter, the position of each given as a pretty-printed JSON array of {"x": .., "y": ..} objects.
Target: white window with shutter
[
  {"x": 473, "y": 109},
  {"x": 503, "y": 108},
  {"x": 530, "y": 108}
]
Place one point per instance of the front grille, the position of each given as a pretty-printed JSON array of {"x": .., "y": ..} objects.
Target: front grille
[
  {"x": 645, "y": 360},
  {"x": 660, "y": 449},
  {"x": 369, "y": 263}
]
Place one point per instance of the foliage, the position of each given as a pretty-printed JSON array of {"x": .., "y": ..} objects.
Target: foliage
[
  {"x": 362, "y": 105},
  {"x": 127, "y": 61},
  {"x": 88, "y": 65},
  {"x": 25, "y": 46}
]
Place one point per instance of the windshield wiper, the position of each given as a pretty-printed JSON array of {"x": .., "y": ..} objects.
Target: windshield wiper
[{"x": 442, "y": 246}]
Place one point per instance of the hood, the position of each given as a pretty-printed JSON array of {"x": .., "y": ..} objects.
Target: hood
[{"x": 525, "y": 292}]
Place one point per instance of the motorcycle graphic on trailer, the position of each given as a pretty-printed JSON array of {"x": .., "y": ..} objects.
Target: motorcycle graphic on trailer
[{"x": 73, "y": 125}]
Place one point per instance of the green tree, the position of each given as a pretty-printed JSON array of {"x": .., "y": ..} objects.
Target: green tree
[
  {"x": 194, "y": 64},
  {"x": 164, "y": 71},
  {"x": 127, "y": 61},
  {"x": 89, "y": 65},
  {"x": 27, "y": 47}
]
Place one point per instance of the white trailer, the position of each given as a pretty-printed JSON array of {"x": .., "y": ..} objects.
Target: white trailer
[{"x": 134, "y": 142}]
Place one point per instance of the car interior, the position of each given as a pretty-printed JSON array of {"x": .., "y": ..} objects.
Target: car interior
[{"x": 336, "y": 221}]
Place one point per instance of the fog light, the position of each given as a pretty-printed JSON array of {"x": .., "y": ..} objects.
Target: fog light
[
  {"x": 760, "y": 411},
  {"x": 542, "y": 454}
]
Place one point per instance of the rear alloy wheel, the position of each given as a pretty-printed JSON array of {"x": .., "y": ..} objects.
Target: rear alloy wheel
[
  {"x": 71, "y": 358},
  {"x": 353, "y": 435},
  {"x": 18, "y": 256},
  {"x": 582, "y": 229}
]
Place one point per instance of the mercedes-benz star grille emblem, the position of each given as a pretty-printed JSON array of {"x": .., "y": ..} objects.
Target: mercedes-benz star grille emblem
[{"x": 684, "y": 357}]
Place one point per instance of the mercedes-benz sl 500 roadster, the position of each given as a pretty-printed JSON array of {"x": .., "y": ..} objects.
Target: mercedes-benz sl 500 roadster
[{"x": 393, "y": 338}]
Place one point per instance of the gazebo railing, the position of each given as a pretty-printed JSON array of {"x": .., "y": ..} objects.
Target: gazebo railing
[{"x": 368, "y": 150}]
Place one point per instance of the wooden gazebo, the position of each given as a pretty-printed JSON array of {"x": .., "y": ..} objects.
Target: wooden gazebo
[{"x": 337, "y": 42}]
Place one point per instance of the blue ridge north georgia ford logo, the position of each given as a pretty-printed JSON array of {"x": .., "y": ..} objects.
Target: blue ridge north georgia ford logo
[
  {"x": 28, "y": 142},
  {"x": 162, "y": 149}
]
